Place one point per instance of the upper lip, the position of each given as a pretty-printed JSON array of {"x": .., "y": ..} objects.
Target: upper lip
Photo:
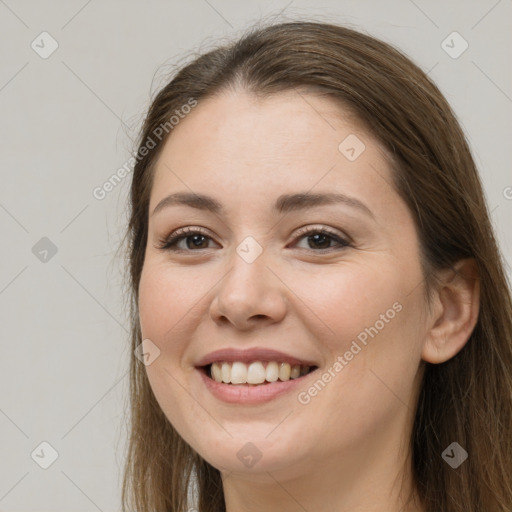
[{"x": 250, "y": 355}]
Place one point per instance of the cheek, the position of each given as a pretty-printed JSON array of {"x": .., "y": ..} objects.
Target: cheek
[
  {"x": 166, "y": 308},
  {"x": 370, "y": 317},
  {"x": 347, "y": 300},
  {"x": 166, "y": 301}
]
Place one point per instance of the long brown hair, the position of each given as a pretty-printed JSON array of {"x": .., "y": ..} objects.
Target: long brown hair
[{"x": 467, "y": 399}]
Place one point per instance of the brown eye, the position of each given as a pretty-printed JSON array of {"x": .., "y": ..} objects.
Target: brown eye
[
  {"x": 194, "y": 239},
  {"x": 321, "y": 239}
]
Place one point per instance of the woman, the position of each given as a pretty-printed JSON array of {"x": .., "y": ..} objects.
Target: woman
[{"x": 319, "y": 306}]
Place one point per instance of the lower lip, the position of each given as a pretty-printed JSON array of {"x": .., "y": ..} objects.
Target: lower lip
[{"x": 250, "y": 394}]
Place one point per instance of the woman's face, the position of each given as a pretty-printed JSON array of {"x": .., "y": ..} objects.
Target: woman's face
[{"x": 334, "y": 283}]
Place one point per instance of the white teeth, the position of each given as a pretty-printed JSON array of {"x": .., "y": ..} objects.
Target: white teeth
[
  {"x": 238, "y": 373},
  {"x": 256, "y": 372},
  {"x": 284, "y": 371},
  {"x": 216, "y": 372},
  {"x": 272, "y": 372},
  {"x": 226, "y": 373}
]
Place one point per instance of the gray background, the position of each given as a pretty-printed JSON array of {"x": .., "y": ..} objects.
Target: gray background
[{"x": 67, "y": 124}]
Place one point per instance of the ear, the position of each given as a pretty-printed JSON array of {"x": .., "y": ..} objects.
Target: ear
[{"x": 455, "y": 313}]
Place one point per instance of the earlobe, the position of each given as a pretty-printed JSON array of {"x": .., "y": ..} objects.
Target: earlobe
[{"x": 456, "y": 314}]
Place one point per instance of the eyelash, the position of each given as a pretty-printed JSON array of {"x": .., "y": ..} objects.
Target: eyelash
[{"x": 167, "y": 244}]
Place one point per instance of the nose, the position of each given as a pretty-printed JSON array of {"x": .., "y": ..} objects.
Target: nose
[{"x": 249, "y": 295}]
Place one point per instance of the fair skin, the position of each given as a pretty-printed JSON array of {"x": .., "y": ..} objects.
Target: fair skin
[{"x": 347, "y": 448}]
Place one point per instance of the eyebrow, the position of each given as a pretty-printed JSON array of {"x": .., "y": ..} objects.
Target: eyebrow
[{"x": 284, "y": 203}]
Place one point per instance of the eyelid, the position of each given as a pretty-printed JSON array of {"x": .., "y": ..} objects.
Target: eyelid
[
  {"x": 313, "y": 228},
  {"x": 179, "y": 234}
]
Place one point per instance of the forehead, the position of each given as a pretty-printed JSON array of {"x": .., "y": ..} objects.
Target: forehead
[
  {"x": 238, "y": 147},
  {"x": 288, "y": 122}
]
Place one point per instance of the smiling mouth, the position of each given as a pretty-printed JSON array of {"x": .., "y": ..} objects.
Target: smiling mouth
[{"x": 257, "y": 373}]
